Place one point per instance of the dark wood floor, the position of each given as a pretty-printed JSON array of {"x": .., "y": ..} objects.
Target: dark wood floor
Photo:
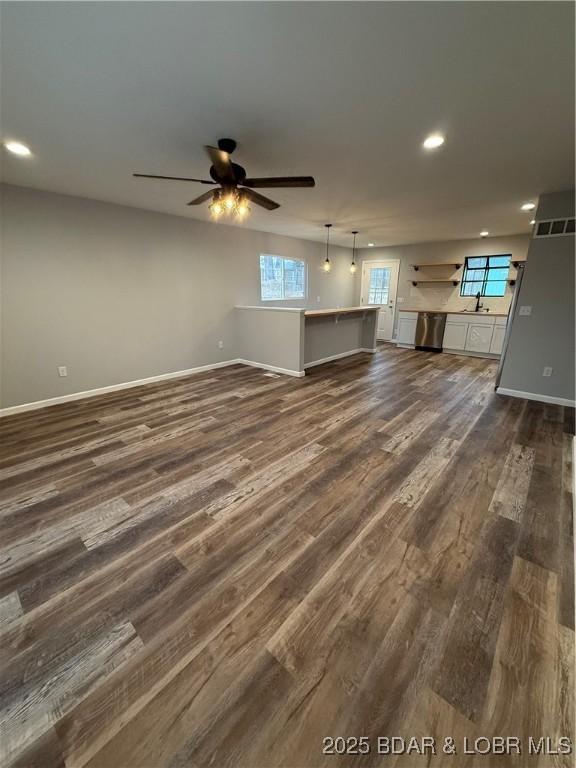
[{"x": 223, "y": 569}]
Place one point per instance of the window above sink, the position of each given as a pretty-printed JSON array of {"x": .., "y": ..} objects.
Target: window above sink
[{"x": 486, "y": 275}]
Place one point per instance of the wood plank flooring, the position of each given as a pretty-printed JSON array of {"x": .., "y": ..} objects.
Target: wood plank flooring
[{"x": 224, "y": 569}]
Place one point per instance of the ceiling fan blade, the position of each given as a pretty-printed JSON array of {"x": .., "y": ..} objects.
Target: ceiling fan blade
[
  {"x": 259, "y": 199},
  {"x": 281, "y": 181},
  {"x": 172, "y": 178},
  {"x": 222, "y": 163},
  {"x": 202, "y": 199}
]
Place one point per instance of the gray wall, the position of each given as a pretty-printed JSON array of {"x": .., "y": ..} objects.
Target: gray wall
[
  {"x": 546, "y": 337},
  {"x": 271, "y": 336},
  {"x": 444, "y": 297},
  {"x": 118, "y": 294},
  {"x": 327, "y": 336}
]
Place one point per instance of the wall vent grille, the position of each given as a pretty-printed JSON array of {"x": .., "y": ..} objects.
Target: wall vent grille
[{"x": 554, "y": 227}]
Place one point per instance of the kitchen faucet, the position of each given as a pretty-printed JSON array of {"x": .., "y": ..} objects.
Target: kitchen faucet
[{"x": 478, "y": 306}]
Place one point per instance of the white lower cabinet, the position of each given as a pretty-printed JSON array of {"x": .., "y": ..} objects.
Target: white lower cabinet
[
  {"x": 406, "y": 328},
  {"x": 455, "y": 335},
  {"x": 497, "y": 339},
  {"x": 481, "y": 334},
  {"x": 479, "y": 337}
]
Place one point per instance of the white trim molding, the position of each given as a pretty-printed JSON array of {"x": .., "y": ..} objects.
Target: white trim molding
[
  {"x": 14, "y": 409},
  {"x": 534, "y": 396},
  {"x": 338, "y": 356},
  {"x": 273, "y": 368}
]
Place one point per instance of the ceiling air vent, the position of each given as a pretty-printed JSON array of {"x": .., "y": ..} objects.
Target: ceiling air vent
[{"x": 554, "y": 228}]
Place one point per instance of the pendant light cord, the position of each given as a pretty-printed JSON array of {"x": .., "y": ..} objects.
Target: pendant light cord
[{"x": 327, "y": 240}]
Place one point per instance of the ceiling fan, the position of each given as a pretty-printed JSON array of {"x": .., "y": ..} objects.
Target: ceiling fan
[{"x": 235, "y": 189}]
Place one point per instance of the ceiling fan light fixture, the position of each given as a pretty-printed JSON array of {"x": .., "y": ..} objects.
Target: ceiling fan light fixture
[
  {"x": 216, "y": 208},
  {"x": 242, "y": 207},
  {"x": 230, "y": 201}
]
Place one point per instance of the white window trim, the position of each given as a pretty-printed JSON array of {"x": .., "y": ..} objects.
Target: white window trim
[{"x": 304, "y": 297}]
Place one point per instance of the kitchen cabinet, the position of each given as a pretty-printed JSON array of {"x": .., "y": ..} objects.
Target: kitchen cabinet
[
  {"x": 497, "y": 339},
  {"x": 479, "y": 337},
  {"x": 479, "y": 334},
  {"x": 406, "y": 328},
  {"x": 455, "y": 335}
]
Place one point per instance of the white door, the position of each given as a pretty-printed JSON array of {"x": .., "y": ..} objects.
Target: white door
[{"x": 379, "y": 285}]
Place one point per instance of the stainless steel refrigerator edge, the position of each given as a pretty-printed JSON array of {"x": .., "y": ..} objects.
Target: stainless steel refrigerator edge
[{"x": 511, "y": 312}]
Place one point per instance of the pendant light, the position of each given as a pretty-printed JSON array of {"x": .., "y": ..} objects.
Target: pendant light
[
  {"x": 327, "y": 265},
  {"x": 353, "y": 266}
]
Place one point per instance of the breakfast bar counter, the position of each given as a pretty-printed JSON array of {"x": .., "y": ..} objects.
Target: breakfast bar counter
[{"x": 290, "y": 340}]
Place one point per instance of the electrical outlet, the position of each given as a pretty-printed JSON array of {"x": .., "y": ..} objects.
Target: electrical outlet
[
  {"x": 62, "y": 371},
  {"x": 220, "y": 345},
  {"x": 318, "y": 299},
  {"x": 525, "y": 311},
  {"x": 547, "y": 371},
  {"x": 400, "y": 300}
]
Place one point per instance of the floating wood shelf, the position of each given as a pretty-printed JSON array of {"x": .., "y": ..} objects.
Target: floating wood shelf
[
  {"x": 437, "y": 264},
  {"x": 436, "y": 280}
]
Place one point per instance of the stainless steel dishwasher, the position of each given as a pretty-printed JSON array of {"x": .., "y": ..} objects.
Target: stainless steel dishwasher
[{"x": 430, "y": 331}]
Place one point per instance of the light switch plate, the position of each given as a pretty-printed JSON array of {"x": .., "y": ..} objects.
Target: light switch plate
[
  {"x": 547, "y": 371},
  {"x": 62, "y": 371},
  {"x": 525, "y": 311}
]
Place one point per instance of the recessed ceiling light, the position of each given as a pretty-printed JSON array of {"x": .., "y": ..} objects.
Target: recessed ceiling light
[
  {"x": 532, "y": 221},
  {"x": 484, "y": 233},
  {"x": 528, "y": 207},
  {"x": 433, "y": 141},
  {"x": 370, "y": 245},
  {"x": 17, "y": 148}
]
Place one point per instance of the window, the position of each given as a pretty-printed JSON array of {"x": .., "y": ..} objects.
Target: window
[
  {"x": 379, "y": 285},
  {"x": 282, "y": 278},
  {"x": 486, "y": 275}
]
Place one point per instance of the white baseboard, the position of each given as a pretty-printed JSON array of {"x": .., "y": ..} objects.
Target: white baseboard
[
  {"x": 112, "y": 388},
  {"x": 339, "y": 356},
  {"x": 137, "y": 383},
  {"x": 273, "y": 368},
  {"x": 534, "y": 396},
  {"x": 468, "y": 353}
]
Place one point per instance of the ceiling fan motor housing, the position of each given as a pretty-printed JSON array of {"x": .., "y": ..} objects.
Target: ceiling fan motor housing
[
  {"x": 227, "y": 145},
  {"x": 239, "y": 175}
]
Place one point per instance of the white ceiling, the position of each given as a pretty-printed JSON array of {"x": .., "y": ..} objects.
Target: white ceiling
[{"x": 343, "y": 91}]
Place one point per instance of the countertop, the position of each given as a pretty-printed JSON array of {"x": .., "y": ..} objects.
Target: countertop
[
  {"x": 338, "y": 311},
  {"x": 455, "y": 312}
]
